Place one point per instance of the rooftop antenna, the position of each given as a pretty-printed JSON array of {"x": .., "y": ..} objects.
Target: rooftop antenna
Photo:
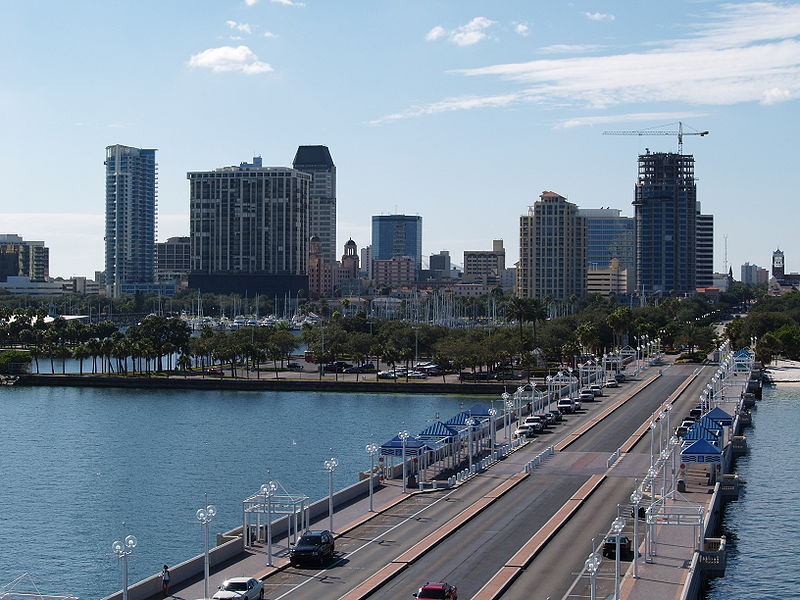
[{"x": 725, "y": 255}]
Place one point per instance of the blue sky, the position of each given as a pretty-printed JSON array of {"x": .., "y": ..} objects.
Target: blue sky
[{"x": 462, "y": 111}]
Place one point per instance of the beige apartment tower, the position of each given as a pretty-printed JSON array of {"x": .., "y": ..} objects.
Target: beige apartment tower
[{"x": 552, "y": 250}]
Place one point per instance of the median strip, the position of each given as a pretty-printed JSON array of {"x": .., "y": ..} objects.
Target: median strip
[{"x": 525, "y": 555}]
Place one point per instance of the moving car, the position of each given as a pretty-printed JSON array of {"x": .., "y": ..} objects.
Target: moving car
[
  {"x": 437, "y": 591},
  {"x": 240, "y": 588},
  {"x": 315, "y": 546}
]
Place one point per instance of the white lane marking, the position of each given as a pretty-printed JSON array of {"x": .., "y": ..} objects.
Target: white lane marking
[{"x": 403, "y": 522}]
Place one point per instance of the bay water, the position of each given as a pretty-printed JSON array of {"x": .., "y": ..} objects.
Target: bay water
[
  {"x": 75, "y": 463},
  {"x": 762, "y": 526}
]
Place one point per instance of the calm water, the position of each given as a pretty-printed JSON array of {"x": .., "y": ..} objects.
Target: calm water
[
  {"x": 75, "y": 463},
  {"x": 763, "y": 525}
]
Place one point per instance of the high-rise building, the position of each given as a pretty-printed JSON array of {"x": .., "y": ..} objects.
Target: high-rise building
[
  {"x": 666, "y": 237},
  {"x": 249, "y": 229},
  {"x": 317, "y": 162},
  {"x": 552, "y": 254},
  {"x": 397, "y": 236},
  {"x": 366, "y": 261},
  {"x": 485, "y": 266},
  {"x": 704, "y": 252},
  {"x": 20, "y": 258},
  {"x": 610, "y": 236},
  {"x": 130, "y": 239},
  {"x": 173, "y": 259},
  {"x": 778, "y": 265}
]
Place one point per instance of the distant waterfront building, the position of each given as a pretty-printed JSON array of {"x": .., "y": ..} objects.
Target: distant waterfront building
[
  {"x": 552, "y": 243},
  {"x": 439, "y": 265},
  {"x": 23, "y": 258},
  {"x": 173, "y": 259},
  {"x": 754, "y": 275},
  {"x": 249, "y": 229},
  {"x": 397, "y": 236},
  {"x": 485, "y": 266},
  {"x": 704, "y": 253},
  {"x": 611, "y": 280},
  {"x": 22, "y": 284},
  {"x": 317, "y": 162},
  {"x": 610, "y": 236},
  {"x": 366, "y": 262},
  {"x": 130, "y": 219},
  {"x": 394, "y": 271},
  {"x": 665, "y": 211}
]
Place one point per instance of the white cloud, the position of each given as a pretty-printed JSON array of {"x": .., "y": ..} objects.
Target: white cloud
[
  {"x": 735, "y": 54},
  {"x": 569, "y": 48},
  {"x": 243, "y": 27},
  {"x": 230, "y": 58},
  {"x": 599, "y": 16},
  {"x": 288, "y": 2},
  {"x": 269, "y": 34},
  {"x": 463, "y": 35},
  {"x": 436, "y": 33},
  {"x": 522, "y": 29}
]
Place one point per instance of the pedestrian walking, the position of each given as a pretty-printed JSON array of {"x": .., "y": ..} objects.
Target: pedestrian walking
[{"x": 165, "y": 580}]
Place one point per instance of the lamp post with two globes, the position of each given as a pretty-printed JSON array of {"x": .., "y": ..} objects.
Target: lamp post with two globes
[
  {"x": 123, "y": 550},
  {"x": 330, "y": 467},
  {"x": 372, "y": 450},
  {"x": 205, "y": 516}
]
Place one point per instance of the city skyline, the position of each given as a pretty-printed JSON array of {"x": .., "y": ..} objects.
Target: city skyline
[{"x": 446, "y": 96}]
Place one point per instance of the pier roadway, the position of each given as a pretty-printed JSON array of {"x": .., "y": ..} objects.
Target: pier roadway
[
  {"x": 555, "y": 573},
  {"x": 473, "y": 553}
]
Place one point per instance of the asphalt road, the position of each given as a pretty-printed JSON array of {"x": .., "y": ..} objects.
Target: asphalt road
[
  {"x": 476, "y": 551},
  {"x": 555, "y": 570}
]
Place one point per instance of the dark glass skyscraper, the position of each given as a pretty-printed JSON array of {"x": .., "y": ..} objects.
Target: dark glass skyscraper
[
  {"x": 397, "y": 236},
  {"x": 666, "y": 239},
  {"x": 130, "y": 218},
  {"x": 317, "y": 162}
]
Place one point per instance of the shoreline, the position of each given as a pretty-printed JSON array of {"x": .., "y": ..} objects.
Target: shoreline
[
  {"x": 783, "y": 371},
  {"x": 261, "y": 385}
]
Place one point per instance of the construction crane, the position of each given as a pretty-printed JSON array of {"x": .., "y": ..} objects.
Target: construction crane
[{"x": 680, "y": 133}]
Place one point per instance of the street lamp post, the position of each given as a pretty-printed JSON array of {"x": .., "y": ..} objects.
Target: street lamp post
[
  {"x": 123, "y": 550},
  {"x": 592, "y": 564},
  {"x": 616, "y": 527},
  {"x": 636, "y": 497},
  {"x": 205, "y": 516},
  {"x": 268, "y": 489},
  {"x": 492, "y": 425},
  {"x": 330, "y": 467},
  {"x": 652, "y": 435},
  {"x": 509, "y": 405},
  {"x": 372, "y": 450},
  {"x": 471, "y": 424},
  {"x": 403, "y": 437}
]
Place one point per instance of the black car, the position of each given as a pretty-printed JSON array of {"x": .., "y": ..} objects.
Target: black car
[
  {"x": 620, "y": 377},
  {"x": 610, "y": 546},
  {"x": 336, "y": 367},
  {"x": 314, "y": 547},
  {"x": 557, "y": 416}
]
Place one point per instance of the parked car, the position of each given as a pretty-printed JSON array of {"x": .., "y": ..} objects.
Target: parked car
[
  {"x": 314, "y": 546},
  {"x": 294, "y": 366},
  {"x": 681, "y": 431},
  {"x": 240, "y": 588},
  {"x": 610, "y": 546},
  {"x": 549, "y": 418},
  {"x": 527, "y": 430},
  {"x": 557, "y": 416},
  {"x": 566, "y": 405},
  {"x": 695, "y": 413},
  {"x": 596, "y": 389},
  {"x": 336, "y": 367},
  {"x": 437, "y": 591},
  {"x": 620, "y": 378},
  {"x": 577, "y": 402},
  {"x": 360, "y": 368},
  {"x": 216, "y": 372},
  {"x": 587, "y": 396},
  {"x": 387, "y": 375},
  {"x": 416, "y": 375},
  {"x": 535, "y": 420},
  {"x": 612, "y": 383}
]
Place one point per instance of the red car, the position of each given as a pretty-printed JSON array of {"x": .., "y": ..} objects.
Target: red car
[{"x": 437, "y": 591}]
